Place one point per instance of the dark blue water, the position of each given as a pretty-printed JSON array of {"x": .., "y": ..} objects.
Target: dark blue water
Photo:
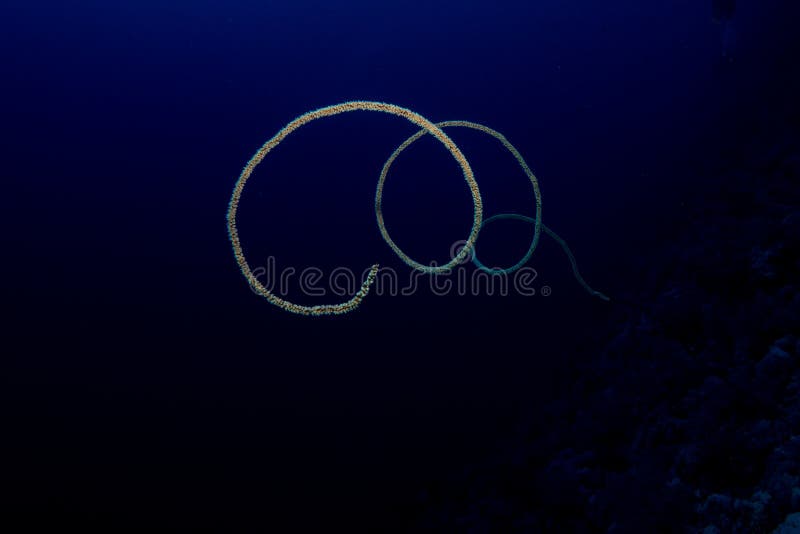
[{"x": 149, "y": 386}]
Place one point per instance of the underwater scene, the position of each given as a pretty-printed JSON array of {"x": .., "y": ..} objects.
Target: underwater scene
[{"x": 317, "y": 266}]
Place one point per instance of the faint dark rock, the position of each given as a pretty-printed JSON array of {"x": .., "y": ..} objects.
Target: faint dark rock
[
  {"x": 760, "y": 262},
  {"x": 774, "y": 365},
  {"x": 736, "y": 515},
  {"x": 791, "y": 525}
]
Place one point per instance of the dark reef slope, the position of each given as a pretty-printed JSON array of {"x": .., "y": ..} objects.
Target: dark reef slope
[{"x": 689, "y": 419}]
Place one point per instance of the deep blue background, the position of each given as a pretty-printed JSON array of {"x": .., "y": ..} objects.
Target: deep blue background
[{"x": 148, "y": 382}]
